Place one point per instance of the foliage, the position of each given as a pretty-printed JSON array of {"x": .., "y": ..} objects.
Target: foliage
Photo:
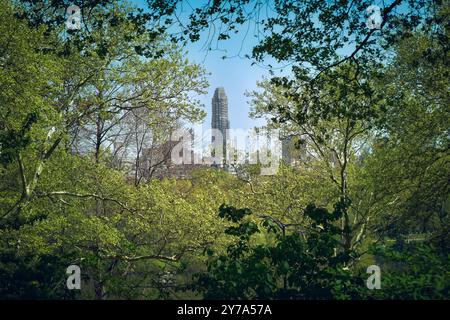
[
  {"x": 412, "y": 190},
  {"x": 412, "y": 271},
  {"x": 368, "y": 110},
  {"x": 298, "y": 265}
]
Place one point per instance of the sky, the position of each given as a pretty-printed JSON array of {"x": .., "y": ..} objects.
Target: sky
[{"x": 235, "y": 74}]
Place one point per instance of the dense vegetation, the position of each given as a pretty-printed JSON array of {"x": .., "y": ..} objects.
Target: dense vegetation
[{"x": 372, "y": 130}]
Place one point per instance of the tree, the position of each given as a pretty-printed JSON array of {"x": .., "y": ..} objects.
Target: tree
[
  {"x": 332, "y": 126},
  {"x": 367, "y": 107},
  {"x": 58, "y": 205},
  {"x": 411, "y": 192},
  {"x": 33, "y": 80},
  {"x": 412, "y": 271},
  {"x": 299, "y": 264}
]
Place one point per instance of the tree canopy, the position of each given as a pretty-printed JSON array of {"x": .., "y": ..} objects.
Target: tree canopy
[{"x": 86, "y": 115}]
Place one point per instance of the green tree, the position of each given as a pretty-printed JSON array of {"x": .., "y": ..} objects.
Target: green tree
[
  {"x": 297, "y": 264},
  {"x": 408, "y": 166}
]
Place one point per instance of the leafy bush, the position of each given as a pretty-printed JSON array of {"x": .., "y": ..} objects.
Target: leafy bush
[
  {"x": 412, "y": 271},
  {"x": 299, "y": 265}
]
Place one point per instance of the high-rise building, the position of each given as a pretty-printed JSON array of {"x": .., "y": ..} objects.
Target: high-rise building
[{"x": 220, "y": 117}]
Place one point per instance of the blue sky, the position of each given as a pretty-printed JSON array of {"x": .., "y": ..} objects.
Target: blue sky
[{"x": 236, "y": 74}]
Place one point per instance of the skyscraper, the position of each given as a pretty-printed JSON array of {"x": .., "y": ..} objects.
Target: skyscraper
[{"x": 220, "y": 116}]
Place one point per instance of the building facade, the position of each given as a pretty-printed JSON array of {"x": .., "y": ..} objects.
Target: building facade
[{"x": 219, "y": 121}]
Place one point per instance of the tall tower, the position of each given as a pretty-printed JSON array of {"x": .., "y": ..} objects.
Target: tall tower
[{"x": 220, "y": 115}]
